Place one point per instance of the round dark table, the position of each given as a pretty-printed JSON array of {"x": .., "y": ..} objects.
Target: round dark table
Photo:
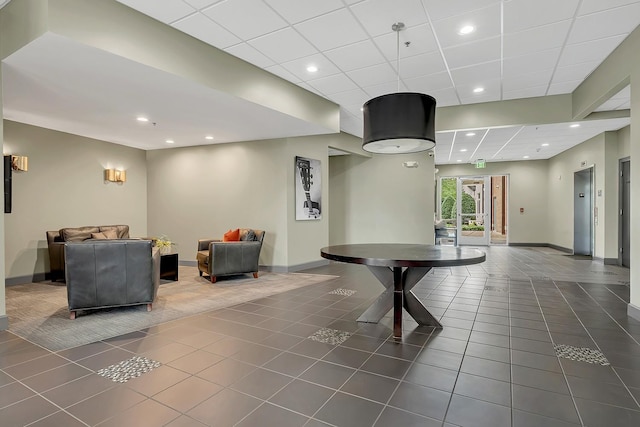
[{"x": 399, "y": 267}]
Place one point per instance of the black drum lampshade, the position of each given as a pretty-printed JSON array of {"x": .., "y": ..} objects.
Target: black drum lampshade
[{"x": 398, "y": 123}]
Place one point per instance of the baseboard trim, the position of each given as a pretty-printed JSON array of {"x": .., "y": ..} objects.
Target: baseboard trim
[
  {"x": 633, "y": 311},
  {"x": 273, "y": 268},
  {"x": 561, "y": 248},
  {"x": 21, "y": 280},
  {"x": 537, "y": 245},
  {"x": 4, "y": 322},
  {"x": 611, "y": 261}
]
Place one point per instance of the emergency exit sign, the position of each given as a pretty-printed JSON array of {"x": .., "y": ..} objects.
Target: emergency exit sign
[{"x": 481, "y": 164}]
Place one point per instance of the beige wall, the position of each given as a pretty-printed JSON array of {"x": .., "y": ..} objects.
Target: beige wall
[
  {"x": 201, "y": 192},
  {"x": 377, "y": 199},
  {"x": 624, "y": 142},
  {"x": 64, "y": 187},
  {"x": 306, "y": 238},
  {"x": 3, "y": 308}
]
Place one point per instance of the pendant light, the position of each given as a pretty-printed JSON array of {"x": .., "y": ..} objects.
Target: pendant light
[{"x": 402, "y": 122}]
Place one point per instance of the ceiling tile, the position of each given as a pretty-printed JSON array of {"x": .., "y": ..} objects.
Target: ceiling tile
[
  {"x": 333, "y": 84},
  {"x": 589, "y": 27},
  {"x": 357, "y": 55},
  {"x": 202, "y": 28},
  {"x": 166, "y": 11},
  {"x": 295, "y": 11},
  {"x": 591, "y": 6},
  {"x": 350, "y": 97},
  {"x": 438, "y": 9},
  {"x": 344, "y": 30},
  {"x": 574, "y": 72},
  {"x": 609, "y": 105},
  {"x": 201, "y": 4},
  {"x": 445, "y": 97},
  {"x": 283, "y": 72},
  {"x": 486, "y": 21},
  {"x": 473, "y": 53},
  {"x": 596, "y": 50},
  {"x": 384, "y": 89},
  {"x": 564, "y": 87},
  {"x": 476, "y": 74},
  {"x": 257, "y": 18},
  {"x": 377, "y": 16},
  {"x": 426, "y": 84},
  {"x": 529, "y": 92},
  {"x": 298, "y": 67},
  {"x": 528, "y": 63},
  {"x": 520, "y": 15},
  {"x": 284, "y": 45},
  {"x": 420, "y": 38},
  {"x": 373, "y": 75},
  {"x": 309, "y": 88},
  {"x": 528, "y": 80},
  {"x": 249, "y": 54},
  {"x": 536, "y": 39},
  {"x": 486, "y": 96},
  {"x": 420, "y": 65}
]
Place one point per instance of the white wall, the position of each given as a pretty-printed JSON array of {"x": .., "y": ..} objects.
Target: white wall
[
  {"x": 377, "y": 199},
  {"x": 65, "y": 187},
  {"x": 527, "y": 189},
  {"x": 624, "y": 142}
]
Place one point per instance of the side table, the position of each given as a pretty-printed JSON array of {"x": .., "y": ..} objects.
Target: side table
[{"x": 169, "y": 266}]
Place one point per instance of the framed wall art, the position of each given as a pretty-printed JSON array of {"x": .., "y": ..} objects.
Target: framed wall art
[{"x": 308, "y": 178}]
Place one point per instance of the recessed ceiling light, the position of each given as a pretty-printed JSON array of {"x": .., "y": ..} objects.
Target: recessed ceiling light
[
  {"x": 575, "y": 125},
  {"x": 478, "y": 90},
  {"x": 142, "y": 119},
  {"x": 525, "y": 157},
  {"x": 463, "y": 150},
  {"x": 546, "y": 144},
  {"x": 312, "y": 68},
  {"x": 458, "y": 160},
  {"x": 208, "y": 137},
  {"x": 467, "y": 29},
  {"x": 470, "y": 134},
  {"x": 169, "y": 141}
]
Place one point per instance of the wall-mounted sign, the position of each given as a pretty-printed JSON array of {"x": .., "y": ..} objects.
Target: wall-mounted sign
[{"x": 481, "y": 164}]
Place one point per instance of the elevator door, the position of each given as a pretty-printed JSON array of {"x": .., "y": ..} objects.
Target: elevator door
[
  {"x": 583, "y": 212},
  {"x": 625, "y": 217}
]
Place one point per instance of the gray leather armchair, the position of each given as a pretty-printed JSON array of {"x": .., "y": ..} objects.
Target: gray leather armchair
[
  {"x": 57, "y": 239},
  {"x": 217, "y": 258},
  {"x": 111, "y": 273}
]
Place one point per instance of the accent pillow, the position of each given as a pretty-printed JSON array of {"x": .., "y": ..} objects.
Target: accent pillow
[
  {"x": 231, "y": 236},
  {"x": 249, "y": 236},
  {"x": 106, "y": 234},
  {"x": 77, "y": 234}
]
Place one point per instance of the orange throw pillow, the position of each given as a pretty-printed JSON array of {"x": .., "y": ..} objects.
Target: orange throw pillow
[{"x": 231, "y": 236}]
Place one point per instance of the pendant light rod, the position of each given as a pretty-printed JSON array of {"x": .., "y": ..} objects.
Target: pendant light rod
[{"x": 397, "y": 27}]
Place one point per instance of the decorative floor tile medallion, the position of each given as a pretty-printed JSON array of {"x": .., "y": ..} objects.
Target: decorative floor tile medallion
[
  {"x": 581, "y": 354},
  {"x": 330, "y": 336},
  {"x": 345, "y": 292},
  {"x": 128, "y": 369}
]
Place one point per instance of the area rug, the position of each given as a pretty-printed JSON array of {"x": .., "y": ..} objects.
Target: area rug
[{"x": 38, "y": 312}]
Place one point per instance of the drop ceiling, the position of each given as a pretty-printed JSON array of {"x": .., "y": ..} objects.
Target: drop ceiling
[{"x": 519, "y": 49}]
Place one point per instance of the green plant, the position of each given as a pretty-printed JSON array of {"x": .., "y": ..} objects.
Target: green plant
[{"x": 163, "y": 242}]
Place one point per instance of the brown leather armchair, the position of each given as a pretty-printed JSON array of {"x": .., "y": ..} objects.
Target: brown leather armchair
[{"x": 218, "y": 258}]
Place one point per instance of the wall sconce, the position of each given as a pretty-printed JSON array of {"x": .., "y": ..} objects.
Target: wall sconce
[
  {"x": 20, "y": 163},
  {"x": 115, "y": 175}
]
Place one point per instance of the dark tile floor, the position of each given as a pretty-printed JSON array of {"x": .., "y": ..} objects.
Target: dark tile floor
[{"x": 495, "y": 363}]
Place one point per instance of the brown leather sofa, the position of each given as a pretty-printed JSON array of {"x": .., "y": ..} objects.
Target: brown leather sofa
[
  {"x": 57, "y": 239},
  {"x": 218, "y": 258},
  {"x": 111, "y": 273}
]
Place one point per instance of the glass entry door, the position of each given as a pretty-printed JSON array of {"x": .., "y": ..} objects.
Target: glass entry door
[
  {"x": 473, "y": 209},
  {"x": 465, "y": 205}
]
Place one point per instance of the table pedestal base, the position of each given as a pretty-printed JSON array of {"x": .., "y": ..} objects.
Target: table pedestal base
[{"x": 398, "y": 294}]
